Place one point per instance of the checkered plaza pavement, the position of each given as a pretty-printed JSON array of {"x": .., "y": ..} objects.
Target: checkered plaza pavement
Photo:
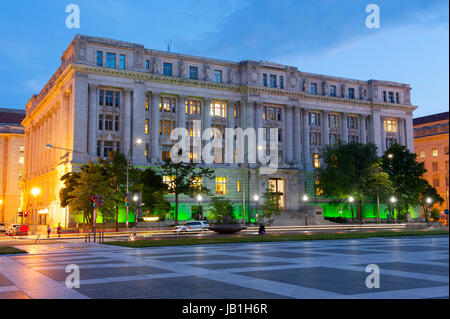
[{"x": 410, "y": 267}]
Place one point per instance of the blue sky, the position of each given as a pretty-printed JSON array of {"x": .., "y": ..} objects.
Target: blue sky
[{"x": 317, "y": 36}]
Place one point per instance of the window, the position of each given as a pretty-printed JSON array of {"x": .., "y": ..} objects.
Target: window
[
  {"x": 146, "y": 103},
  {"x": 193, "y": 73},
  {"x": 221, "y": 185},
  {"x": 167, "y": 104},
  {"x": 384, "y": 96},
  {"x": 218, "y": 76},
  {"x": 333, "y": 139},
  {"x": 109, "y": 98},
  {"x": 352, "y": 122},
  {"x": 313, "y": 88},
  {"x": 351, "y": 93},
  {"x": 391, "y": 97},
  {"x": 435, "y": 182},
  {"x": 21, "y": 160},
  {"x": 116, "y": 99},
  {"x": 100, "y": 97},
  {"x": 434, "y": 152},
  {"x": 21, "y": 149},
  {"x": 197, "y": 183},
  {"x": 165, "y": 155},
  {"x": 193, "y": 107},
  {"x": 353, "y": 138},
  {"x": 167, "y": 69},
  {"x": 108, "y": 147},
  {"x": 446, "y": 150},
  {"x": 219, "y": 109},
  {"x": 270, "y": 114},
  {"x": 435, "y": 166},
  {"x": 122, "y": 62},
  {"x": 390, "y": 126},
  {"x": 273, "y": 81},
  {"x": 108, "y": 122},
  {"x": 110, "y": 60},
  {"x": 315, "y": 138},
  {"x": 316, "y": 160},
  {"x": 100, "y": 123},
  {"x": 99, "y": 58},
  {"x": 116, "y": 123},
  {"x": 332, "y": 90},
  {"x": 146, "y": 127},
  {"x": 314, "y": 119},
  {"x": 333, "y": 121},
  {"x": 146, "y": 152},
  {"x": 397, "y": 97},
  {"x": 422, "y": 154},
  {"x": 147, "y": 64},
  {"x": 390, "y": 141},
  {"x": 239, "y": 186},
  {"x": 281, "y": 82},
  {"x": 264, "y": 79}
]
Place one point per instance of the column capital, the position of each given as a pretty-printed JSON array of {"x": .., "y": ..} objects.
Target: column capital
[{"x": 93, "y": 86}]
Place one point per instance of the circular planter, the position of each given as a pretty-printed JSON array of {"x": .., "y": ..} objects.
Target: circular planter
[{"x": 227, "y": 229}]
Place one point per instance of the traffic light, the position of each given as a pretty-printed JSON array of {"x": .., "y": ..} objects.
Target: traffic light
[
  {"x": 127, "y": 199},
  {"x": 25, "y": 213},
  {"x": 94, "y": 200},
  {"x": 20, "y": 214}
]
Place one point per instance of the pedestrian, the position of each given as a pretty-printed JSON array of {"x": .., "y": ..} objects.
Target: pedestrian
[
  {"x": 59, "y": 230},
  {"x": 262, "y": 229},
  {"x": 49, "y": 230}
]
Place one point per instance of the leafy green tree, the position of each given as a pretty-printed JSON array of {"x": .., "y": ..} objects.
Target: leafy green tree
[
  {"x": 222, "y": 210},
  {"x": 153, "y": 190},
  {"x": 270, "y": 205},
  {"x": 428, "y": 192},
  {"x": 345, "y": 172},
  {"x": 184, "y": 179}
]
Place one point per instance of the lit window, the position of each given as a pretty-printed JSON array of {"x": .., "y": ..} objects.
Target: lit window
[
  {"x": 167, "y": 69},
  {"x": 316, "y": 160},
  {"x": 422, "y": 154},
  {"x": 146, "y": 104},
  {"x": 390, "y": 126},
  {"x": 21, "y": 160},
  {"x": 219, "y": 109},
  {"x": 197, "y": 183},
  {"x": 122, "y": 62},
  {"x": 110, "y": 60},
  {"x": 167, "y": 104},
  {"x": 169, "y": 181},
  {"x": 146, "y": 126},
  {"x": 218, "y": 76},
  {"x": 434, "y": 152},
  {"x": 239, "y": 186},
  {"x": 193, "y": 107},
  {"x": 21, "y": 149},
  {"x": 147, "y": 147},
  {"x": 221, "y": 185}
]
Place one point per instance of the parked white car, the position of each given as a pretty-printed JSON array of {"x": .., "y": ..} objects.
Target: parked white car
[{"x": 192, "y": 226}]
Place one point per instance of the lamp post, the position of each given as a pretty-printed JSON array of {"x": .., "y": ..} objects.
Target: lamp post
[
  {"x": 138, "y": 141},
  {"x": 135, "y": 200},
  {"x": 256, "y": 198},
  {"x": 305, "y": 201},
  {"x": 200, "y": 212},
  {"x": 429, "y": 202},
  {"x": 35, "y": 192},
  {"x": 393, "y": 200},
  {"x": 351, "y": 200}
]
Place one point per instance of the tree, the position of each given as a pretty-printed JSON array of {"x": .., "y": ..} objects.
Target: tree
[
  {"x": 184, "y": 179},
  {"x": 345, "y": 172},
  {"x": 376, "y": 183},
  {"x": 428, "y": 192},
  {"x": 405, "y": 173},
  {"x": 270, "y": 206},
  {"x": 222, "y": 210},
  {"x": 153, "y": 189}
]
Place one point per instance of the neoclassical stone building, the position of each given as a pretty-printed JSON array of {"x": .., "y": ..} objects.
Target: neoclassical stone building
[{"x": 108, "y": 93}]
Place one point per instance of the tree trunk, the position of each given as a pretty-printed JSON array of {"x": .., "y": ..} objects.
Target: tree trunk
[
  {"x": 176, "y": 208},
  {"x": 378, "y": 209},
  {"x": 359, "y": 212},
  {"x": 117, "y": 219}
]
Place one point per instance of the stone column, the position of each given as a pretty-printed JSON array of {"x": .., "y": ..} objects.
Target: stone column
[
  {"x": 344, "y": 127},
  {"x": 206, "y": 116},
  {"x": 181, "y": 112},
  {"x": 409, "y": 136},
  {"x": 375, "y": 130},
  {"x": 362, "y": 129},
  {"x": 126, "y": 124},
  {"x": 306, "y": 145},
  {"x": 155, "y": 153},
  {"x": 383, "y": 135},
  {"x": 259, "y": 123},
  {"x": 79, "y": 111},
  {"x": 288, "y": 133},
  {"x": 93, "y": 119},
  {"x": 138, "y": 123},
  {"x": 230, "y": 114},
  {"x": 401, "y": 131},
  {"x": 297, "y": 137},
  {"x": 325, "y": 128}
]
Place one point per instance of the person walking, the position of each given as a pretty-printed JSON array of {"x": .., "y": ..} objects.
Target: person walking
[
  {"x": 59, "y": 230},
  {"x": 49, "y": 230}
]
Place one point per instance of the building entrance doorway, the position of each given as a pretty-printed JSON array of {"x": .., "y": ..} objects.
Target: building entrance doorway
[{"x": 277, "y": 186}]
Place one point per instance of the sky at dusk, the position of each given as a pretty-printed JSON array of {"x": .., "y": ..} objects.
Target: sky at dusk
[{"x": 318, "y": 36}]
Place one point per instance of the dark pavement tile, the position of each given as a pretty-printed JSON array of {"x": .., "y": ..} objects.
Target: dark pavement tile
[
  {"x": 239, "y": 265},
  {"x": 348, "y": 251},
  {"x": 415, "y": 268},
  {"x": 4, "y": 281},
  {"x": 199, "y": 258}
]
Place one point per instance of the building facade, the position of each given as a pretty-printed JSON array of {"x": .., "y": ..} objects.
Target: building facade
[
  {"x": 431, "y": 145},
  {"x": 12, "y": 155},
  {"x": 109, "y": 93}
]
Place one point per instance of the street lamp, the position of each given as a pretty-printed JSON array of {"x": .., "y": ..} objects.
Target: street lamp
[
  {"x": 351, "y": 200},
  {"x": 390, "y": 155},
  {"x": 138, "y": 141},
  {"x": 256, "y": 198},
  {"x": 199, "y": 199},
  {"x": 393, "y": 200},
  {"x": 35, "y": 191},
  {"x": 429, "y": 202},
  {"x": 305, "y": 201}
]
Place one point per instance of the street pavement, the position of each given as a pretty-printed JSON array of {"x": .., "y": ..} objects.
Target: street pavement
[{"x": 410, "y": 267}]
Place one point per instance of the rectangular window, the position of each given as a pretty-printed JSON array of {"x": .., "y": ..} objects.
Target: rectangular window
[
  {"x": 219, "y": 109},
  {"x": 390, "y": 126},
  {"x": 146, "y": 126},
  {"x": 167, "y": 69},
  {"x": 352, "y": 122},
  {"x": 122, "y": 62},
  {"x": 332, "y": 90},
  {"x": 435, "y": 166},
  {"x": 353, "y": 138},
  {"x": 446, "y": 150},
  {"x": 390, "y": 141},
  {"x": 146, "y": 103},
  {"x": 435, "y": 182},
  {"x": 108, "y": 123},
  {"x": 147, "y": 64},
  {"x": 110, "y": 60},
  {"x": 332, "y": 121},
  {"x": 99, "y": 148},
  {"x": 99, "y": 58},
  {"x": 397, "y": 97},
  {"x": 167, "y": 128},
  {"x": 221, "y": 185},
  {"x": 193, "y": 107},
  {"x": 333, "y": 139},
  {"x": 116, "y": 123},
  {"x": 218, "y": 76},
  {"x": 422, "y": 154},
  {"x": 434, "y": 152},
  {"x": 384, "y": 96},
  {"x": 264, "y": 79},
  {"x": 193, "y": 73},
  {"x": 314, "y": 119},
  {"x": 109, "y": 98},
  {"x": 108, "y": 147},
  {"x": 281, "y": 82},
  {"x": 167, "y": 104},
  {"x": 391, "y": 97},
  {"x": 239, "y": 186},
  {"x": 313, "y": 88},
  {"x": 273, "y": 81},
  {"x": 100, "y": 97},
  {"x": 147, "y": 147},
  {"x": 316, "y": 160},
  {"x": 100, "y": 122},
  {"x": 116, "y": 99},
  {"x": 351, "y": 93}
]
